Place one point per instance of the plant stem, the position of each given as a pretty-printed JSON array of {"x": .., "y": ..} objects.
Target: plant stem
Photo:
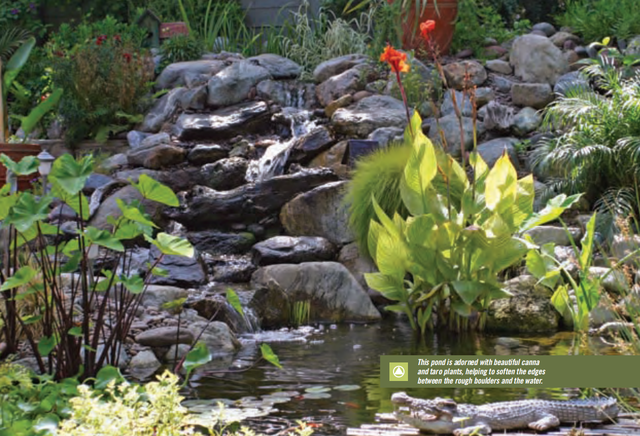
[{"x": 406, "y": 104}]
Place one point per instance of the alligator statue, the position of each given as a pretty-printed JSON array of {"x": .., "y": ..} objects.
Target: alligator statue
[{"x": 444, "y": 416}]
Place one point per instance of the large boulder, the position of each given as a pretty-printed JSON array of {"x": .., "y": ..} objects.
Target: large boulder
[
  {"x": 334, "y": 294},
  {"x": 310, "y": 145},
  {"x": 529, "y": 310},
  {"x": 162, "y": 110},
  {"x": 175, "y": 75},
  {"x": 536, "y": 59},
  {"x": 205, "y": 208},
  {"x": 332, "y": 159},
  {"x": 109, "y": 207},
  {"x": 464, "y": 74},
  {"x": 232, "y": 85},
  {"x": 337, "y": 65},
  {"x": 221, "y": 243},
  {"x": 185, "y": 272},
  {"x": 290, "y": 93},
  {"x": 535, "y": 95},
  {"x": 157, "y": 157},
  {"x": 450, "y": 126},
  {"x": 337, "y": 86},
  {"x": 526, "y": 121},
  {"x": 369, "y": 114},
  {"x": 288, "y": 249},
  {"x": 203, "y": 154},
  {"x": 155, "y": 296},
  {"x": 544, "y": 234},
  {"x": 319, "y": 212},
  {"x": 278, "y": 67},
  {"x": 224, "y": 174},
  {"x": 492, "y": 150}
]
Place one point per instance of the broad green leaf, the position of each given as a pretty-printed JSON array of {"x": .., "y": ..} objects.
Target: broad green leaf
[
  {"x": 134, "y": 283},
  {"x": 172, "y": 245},
  {"x": 27, "y": 211},
  {"x": 560, "y": 301},
  {"x": 391, "y": 256},
  {"x": 197, "y": 357},
  {"x": 134, "y": 214},
  {"x": 587, "y": 244},
  {"x": 23, "y": 276},
  {"x": 501, "y": 185},
  {"x": 106, "y": 375},
  {"x": 421, "y": 167},
  {"x": 153, "y": 190},
  {"x": 174, "y": 306},
  {"x": 386, "y": 222},
  {"x": 555, "y": 207},
  {"x": 29, "y": 319},
  {"x": 72, "y": 174},
  {"x": 14, "y": 65},
  {"x": 103, "y": 238},
  {"x": 30, "y": 122},
  {"x": 388, "y": 286},
  {"x": 47, "y": 423},
  {"x": 234, "y": 301},
  {"x": 523, "y": 206},
  {"x": 6, "y": 203},
  {"x": 75, "y": 331},
  {"x": 27, "y": 165},
  {"x": 372, "y": 237},
  {"x": 78, "y": 202},
  {"x": 269, "y": 355},
  {"x": 420, "y": 230},
  {"x": 47, "y": 344},
  {"x": 128, "y": 230},
  {"x": 469, "y": 291}
]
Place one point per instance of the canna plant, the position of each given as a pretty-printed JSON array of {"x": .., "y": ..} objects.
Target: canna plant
[
  {"x": 85, "y": 317},
  {"x": 442, "y": 263}
]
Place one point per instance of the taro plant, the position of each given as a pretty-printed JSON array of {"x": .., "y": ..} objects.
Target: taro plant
[
  {"x": 85, "y": 316},
  {"x": 446, "y": 257}
]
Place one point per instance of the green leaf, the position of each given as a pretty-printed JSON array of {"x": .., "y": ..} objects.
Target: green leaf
[
  {"x": 106, "y": 375},
  {"x": 234, "y": 301},
  {"x": 134, "y": 283},
  {"x": 27, "y": 211},
  {"x": 134, "y": 214},
  {"x": 153, "y": 190},
  {"x": 561, "y": 302},
  {"x": 47, "y": 344},
  {"x": 78, "y": 202},
  {"x": 72, "y": 175},
  {"x": 30, "y": 122},
  {"x": 469, "y": 291},
  {"x": 6, "y": 203},
  {"x": 420, "y": 231},
  {"x": 75, "y": 331},
  {"x": 388, "y": 286},
  {"x": 501, "y": 185},
  {"x": 587, "y": 244},
  {"x": 27, "y": 165},
  {"x": 555, "y": 207},
  {"x": 14, "y": 65},
  {"x": 103, "y": 238},
  {"x": 23, "y": 276},
  {"x": 172, "y": 245},
  {"x": 269, "y": 355},
  {"x": 48, "y": 423},
  {"x": 421, "y": 167},
  {"x": 391, "y": 256},
  {"x": 197, "y": 357}
]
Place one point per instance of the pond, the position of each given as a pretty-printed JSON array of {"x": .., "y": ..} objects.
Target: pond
[{"x": 332, "y": 377}]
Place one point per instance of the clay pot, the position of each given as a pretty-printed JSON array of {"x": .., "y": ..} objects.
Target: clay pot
[
  {"x": 444, "y": 15},
  {"x": 16, "y": 152}
]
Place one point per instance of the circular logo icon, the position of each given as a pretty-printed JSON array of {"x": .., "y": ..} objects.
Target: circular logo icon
[{"x": 398, "y": 371}]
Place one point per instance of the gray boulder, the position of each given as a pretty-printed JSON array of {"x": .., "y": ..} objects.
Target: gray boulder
[
  {"x": 369, "y": 114},
  {"x": 232, "y": 85},
  {"x": 155, "y": 296},
  {"x": 288, "y": 93},
  {"x": 143, "y": 365},
  {"x": 175, "y": 75},
  {"x": 336, "y": 86},
  {"x": 458, "y": 73},
  {"x": 336, "y": 66},
  {"x": 162, "y": 110},
  {"x": 185, "y": 272},
  {"x": 225, "y": 174},
  {"x": 450, "y": 127},
  {"x": 526, "y": 121},
  {"x": 203, "y": 154},
  {"x": 545, "y": 28},
  {"x": 497, "y": 117},
  {"x": 544, "y": 234},
  {"x": 164, "y": 337},
  {"x": 221, "y": 243},
  {"x": 463, "y": 102},
  {"x": 535, "y": 95},
  {"x": 499, "y": 66},
  {"x": 492, "y": 150},
  {"x": 537, "y": 60},
  {"x": 157, "y": 157},
  {"x": 278, "y": 67},
  {"x": 570, "y": 80},
  {"x": 288, "y": 249}
]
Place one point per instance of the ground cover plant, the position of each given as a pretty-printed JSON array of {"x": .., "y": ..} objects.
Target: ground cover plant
[{"x": 597, "y": 19}]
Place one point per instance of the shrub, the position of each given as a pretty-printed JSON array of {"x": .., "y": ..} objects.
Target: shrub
[
  {"x": 379, "y": 175},
  {"x": 597, "y": 19},
  {"x": 180, "y": 48}
]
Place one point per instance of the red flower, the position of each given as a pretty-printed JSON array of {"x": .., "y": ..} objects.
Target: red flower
[
  {"x": 426, "y": 28},
  {"x": 127, "y": 57},
  {"x": 395, "y": 59},
  {"x": 117, "y": 38},
  {"x": 100, "y": 39}
]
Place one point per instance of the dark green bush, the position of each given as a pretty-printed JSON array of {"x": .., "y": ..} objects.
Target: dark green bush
[
  {"x": 180, "y": 48},
  {"x": 597, "y": 19}
]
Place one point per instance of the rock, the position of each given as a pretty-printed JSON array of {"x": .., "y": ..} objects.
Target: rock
[
  {"x": 156, "y": 296},
  {"x": 278, "y": 67},
  {"x": 114, "y": 162},
  {"x": 224, "y": 123},
  {"x": 484, "y": 96},
  {"x": 134, "y": 138},
  {"x": 288, "y": 94},
  {"x": 225, "y": 174},
  {"x": 178, "y": 179},
  {"x": 535, "y": 95},
  {"x": 216, "y": 335},
  {"x": 194, "y": 99},
  {"x": 560, "y": 38},
  {"x": 165, "y": 337},
  {"x": 369, "y": 114},
  {"x": 310, "y": 145},
  {"x": 545, "y": 28},
  {"x": 319, "y": 212},
  {"x": 213, "y": 304},
  {"x": 633, "y": 46},
  {"x": 232, "y": 85},
  {"x": 332, "y": 159},
  {"x": 96, "y": 181},
  {"x": 451, "y": 129},
  {"x": 494, "y": 51},
  {"x": 287, "y": 249},
  {"x": 205, "y": 207},
  {"x": 463, "y": 102},
  {"x": 544, "y": 234},
  {"x": 204, "y": 154},
  {"x": 502, "y": 84},
  {"x": 186, "y": 272},
  {"x": 162, "y": 110},
  {"x": 529, "y": 310},
  {"x": 230, "y": 269},
  {"x": 343, "y": 101},
  {"x": 359, "y": 96},
  {"x": 221, "y": 243},
  {"x": 385, "y": 135},
  {"x": 497, "y": 117},
  {"x": 455, "y": 74},
  {"x": 157, "y": 157},
  {"x": 154, "y": 140},
  {"x": 623, "y": 246},
  {"x": 143, "y": 365},
  {"x": 536, "y": 60},
  {"x": 335, "y": 293},
  {"x": 615, "y": 282},
  {"x": 571, "y": 80},
  {"x": 62, "y": 213},
  {"x": 348, "y": 82},
  {"x": 492, "y": 150},
  {"x": 174, "y": 75},
  {"x": 109, "y": 207},
  {"x": 526, "y": 121},
  {"x": 338, "y": 65},
  {"x": 356, "y": 263}
]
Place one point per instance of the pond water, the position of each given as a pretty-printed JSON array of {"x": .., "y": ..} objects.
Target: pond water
[{"x": 332, "y": 376}]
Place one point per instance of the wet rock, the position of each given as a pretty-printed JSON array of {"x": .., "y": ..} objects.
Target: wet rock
[
  {"x": 623, "y": 246},
  {"x": 385, "y": 135},
  {"x": 499, "y": 66},
  {"x": 162, "y": 110},
  {"x": 174, "y": 75},
  {"x": 203, "y": 154},
  {"x": 114, "y": 162},
  {"x": 526, "y": 121},
  {"x": 96, "y": 181},
  {"x": 310, "y": 145},
  {"x": 319, "y": 212},
  {"x": 456, "y": 73},
  {"x": 231, "y": 269},
  {"x": 178, "y": 179},
  {"x": 463, "y": 102},
  {"x": 615, "y": 282},
  {"x": 332, "y": 159},
  {"x": 154, "y": 140},
  {"x": 216, "y": 335},
  {"x": 529, "y": 310},
  {"x": 335, "y": 294},
  {"x": 217, "y": 307},
  {"x": 338, "y": 65},
  {"x": 369, "y": 114},
  {"x": 206, "y": 208},
  {"x": 544, "y": 234},
  {"x": 561, "y": 38},
  {"x": 287, "y": 249},
  {"x": 357, "y": 264},
  {"x": 492, "y": 150},
  {"x": 545, "y": 28},
  {"x": 344, "y": 101},
  {"x": 134, "y": 138},
  {"x": 155, "y": 296},
  {"x": 279, "y": 67},
  {"x": 336, "y": 86},
  {"x": 536, "y": 60},
  {"x": 164, "y": 337},
  {"x": 535, "y": 95},
  {"x": 157, "y": 157},
  {"x": 226, "y": 123},
  {"x": 571, "y": 80},
  {"x": 232, "y": 85},
  {"x": 185, "y": 272},
  {"x": 217, "y": 242},
  {"x": 61, "y": 213},
  {"x": 451, "y": 129},
  {"x": 288, "y": 94},
  {"x": 498, "y": 117},
  {"x": 109, "y": 207},
  {"x": 225, "y": 174},
  {"x": 143, "y": 365}
]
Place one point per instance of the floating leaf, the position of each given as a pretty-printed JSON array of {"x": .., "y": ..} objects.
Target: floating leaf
[
  {"x": 317, "y": 389},
  {"x": 316, "y": 396},
  {"x": 269, "y": 355},
  {"x": 346, "y": 388}
]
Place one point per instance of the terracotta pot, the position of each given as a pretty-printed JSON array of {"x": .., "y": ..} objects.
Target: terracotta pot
[
  {"x": 444, "y": 16},
  {"x": 16, "y": 152}
]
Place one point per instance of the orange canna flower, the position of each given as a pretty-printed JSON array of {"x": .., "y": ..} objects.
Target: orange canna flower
[
  {"x": 427, "y": 27},
  {"x": 395, "y": 59}
]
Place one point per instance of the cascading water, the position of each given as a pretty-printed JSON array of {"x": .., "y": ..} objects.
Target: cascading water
[{"x": 273, "y": 162}]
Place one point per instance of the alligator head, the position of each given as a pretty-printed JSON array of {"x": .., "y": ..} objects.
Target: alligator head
[{"x": 435, "y": 416}]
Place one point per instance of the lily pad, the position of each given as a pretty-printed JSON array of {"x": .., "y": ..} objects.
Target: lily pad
[
  {"x": 347, "y": 388},
  {"x": 317, "y": 389},
  {"x": 316, "y": 396},
  {"x": 229, "y": 415}
]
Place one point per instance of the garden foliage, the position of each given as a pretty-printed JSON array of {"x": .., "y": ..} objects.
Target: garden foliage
[{"x": 597, "y": 19}]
